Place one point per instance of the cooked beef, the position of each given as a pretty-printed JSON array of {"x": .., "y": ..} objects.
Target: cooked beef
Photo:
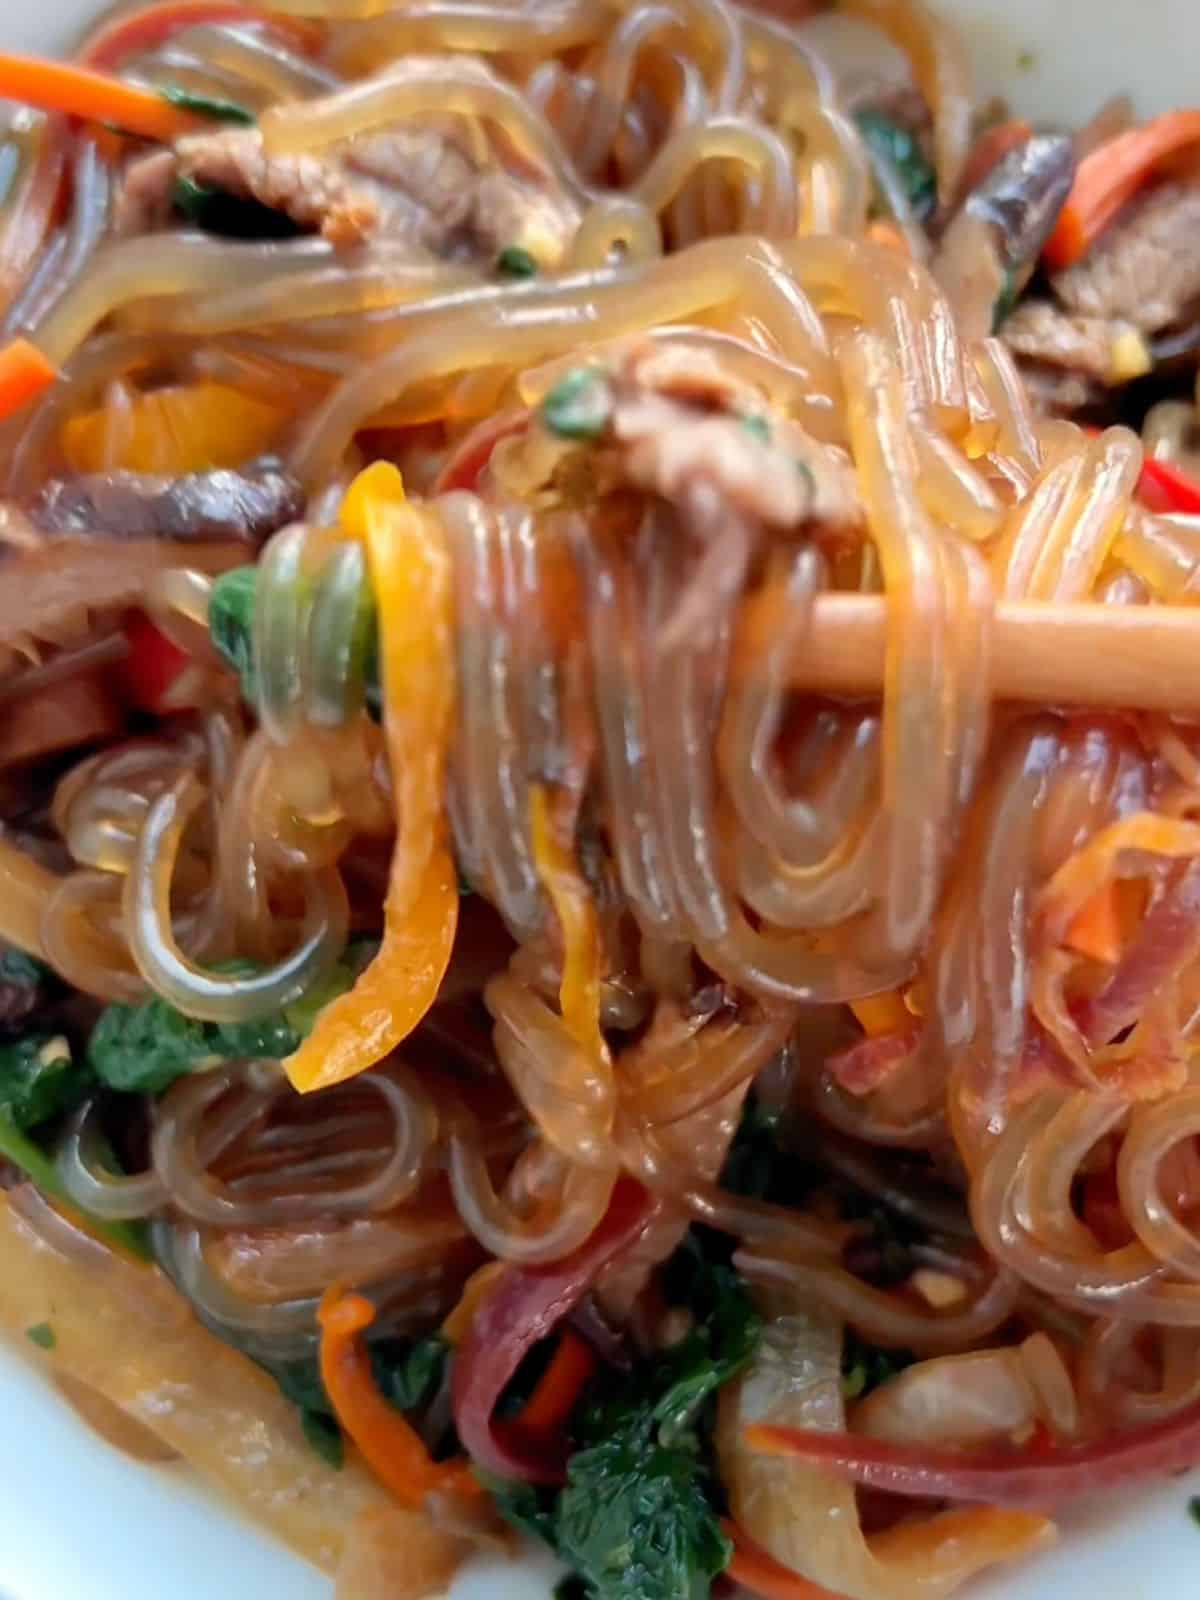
[
  {"x": 143, "y": 201},
  {"x": 1040, "y": 331},
  {"x": 23, "y": 990},
  {"x": 1059, "y": 392},
  {"x": 316, "y": 193},
  {"x": 685, "y": 425},
  {"x": 412, "y": 184},
  {"x": 248, "y": 505},
  {"x": 1146, "y": 268}
]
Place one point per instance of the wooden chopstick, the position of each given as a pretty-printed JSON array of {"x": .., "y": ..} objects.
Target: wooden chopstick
[{"x": 1129, "y": 657}]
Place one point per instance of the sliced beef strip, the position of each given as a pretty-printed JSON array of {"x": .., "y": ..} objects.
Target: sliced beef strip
[
  {"x": 1145, "y": 269},
  {"x": 411, "y": 184},
  {"x": 249, "y": 505},
  {"x": 684, "y": 422},
  {"x": 1059, "y": 392},
  {"x": 1040, "y": 331},
  {"x": 143, "y": 202},
  {"x": 318, "y": 194}
]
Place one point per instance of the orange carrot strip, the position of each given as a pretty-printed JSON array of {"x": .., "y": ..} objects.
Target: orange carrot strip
[
  {"x": 391, "y": 1446},
  {"x": 558, "y": 1388},
  {"x": 1112, "y": 175},
  {"x": 24, "y": 374},
  {"x": 94, "y": 96},
  {"x": 1095, "y": 929},
  {"x": 756, "y": 1570}
]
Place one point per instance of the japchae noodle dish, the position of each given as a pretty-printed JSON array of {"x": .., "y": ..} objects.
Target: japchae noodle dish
[{"x": 600, "y": 784}]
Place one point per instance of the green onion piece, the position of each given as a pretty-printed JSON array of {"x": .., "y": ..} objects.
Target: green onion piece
[
  {"x": 758, "y": 427},
  {"x": 579, "y": 405},
  {"x": 42, "y": 1335},
  {"x": 517, "y": 262},
  {"x": 207, "y": 105}
]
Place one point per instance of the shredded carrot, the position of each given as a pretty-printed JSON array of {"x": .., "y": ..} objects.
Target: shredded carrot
[
  {"x": 390, "y": 1445},
  {"x": 889, "y": 235},
  {"x": 457, "y": 1324},
  {"x": 559, "y": 1387},
  {"x": 410, "y": 574},
  {"x": 1095, "y": 930},
  {"x": 1110, "y": 177},
  {"x": 24, "y": 374},
  {"x": 756, "y": 1570},
  {"x": 882, "y": 1013},
  {"x": 94, "y": 96},
  {"x": 579, "y": 992}
]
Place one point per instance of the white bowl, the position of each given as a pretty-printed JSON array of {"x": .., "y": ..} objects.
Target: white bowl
[{"x": 78, "y": 1521}]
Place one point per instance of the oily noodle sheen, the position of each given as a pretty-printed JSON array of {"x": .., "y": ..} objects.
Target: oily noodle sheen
[{"x": 683, "y": 867}]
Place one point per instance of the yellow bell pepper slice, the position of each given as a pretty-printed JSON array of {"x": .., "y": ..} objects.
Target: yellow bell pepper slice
[
  {"x": 410, "y": 573},
  {"x": 195, "y": 427},
  {"x": 882, "y": 1013},
  {"x": 579, "y": 988}
]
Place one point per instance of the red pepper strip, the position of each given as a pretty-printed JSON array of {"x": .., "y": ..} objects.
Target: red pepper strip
[
  {"x": 140, "y": 32},
  {"x": 550, "y": 1405},
  {"x": 1162, "y": 486},
  {"x": 754, "y": 1569},
  {"x": 1165, "y": 487},
  {"x": 995, "y": 1477},
  {"x": 153, "y": 666},
  {"x": 524, "y": 1305},
  {"x": 466, "y": 462},
  {"x": 391, "y": 1447}
]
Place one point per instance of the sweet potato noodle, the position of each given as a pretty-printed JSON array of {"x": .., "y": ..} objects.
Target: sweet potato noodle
[{"x": 516, "y": 393}]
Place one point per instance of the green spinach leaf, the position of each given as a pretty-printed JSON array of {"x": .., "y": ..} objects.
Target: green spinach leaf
[
  {"x": 889, "y": 141},
  {"x": 231, "y": 622},
  {"x": 144, "y": 1048},
  {"x": 39, "y": 1080},
  {"x": 638, "y": 1516},
  {"x": 410, "y": 1374},
  {"x": 635, "y": 1519}
]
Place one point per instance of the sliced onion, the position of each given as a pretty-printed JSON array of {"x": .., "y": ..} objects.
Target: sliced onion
[{"x": 977, "y": 1398}]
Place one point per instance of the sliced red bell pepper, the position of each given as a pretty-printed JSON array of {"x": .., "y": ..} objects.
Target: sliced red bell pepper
[
  {"x": 153, "y": 666},
  {"x": 1165, "y": 487}
]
